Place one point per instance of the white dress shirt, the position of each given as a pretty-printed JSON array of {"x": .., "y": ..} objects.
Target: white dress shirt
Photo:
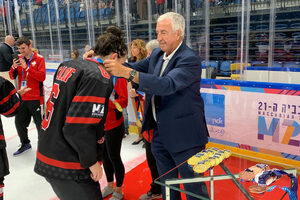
[{"x": 164, "y": 65}]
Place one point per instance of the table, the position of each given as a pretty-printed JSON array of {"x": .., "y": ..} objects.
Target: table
[{"x": 221, "y": 172}]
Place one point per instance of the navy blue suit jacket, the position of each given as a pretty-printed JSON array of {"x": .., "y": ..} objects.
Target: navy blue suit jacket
[{"x": 178, "y": 104}]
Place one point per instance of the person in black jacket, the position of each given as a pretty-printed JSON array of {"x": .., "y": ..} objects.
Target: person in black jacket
[
  {"x": 6, "y": 59},
  {"x": 70, "y": 145},
  {"x": 10, "y": 102}
]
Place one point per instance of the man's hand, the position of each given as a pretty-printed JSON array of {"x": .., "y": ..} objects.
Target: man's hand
[
  {"x": 88, "y": 54},
  {"x": 97, "y": 172},
  {"x": 23, "y": 63},
  {"x": 116, "y": 69},
  {"x": 16, "y": 63},
  {"x": 24, "y": 90},
  {"x": 132, "y": 93}
]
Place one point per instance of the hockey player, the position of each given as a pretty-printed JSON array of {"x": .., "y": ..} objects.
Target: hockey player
[
  {"x": 70, "y": 144},
  {"x": 9, "y": 105}
]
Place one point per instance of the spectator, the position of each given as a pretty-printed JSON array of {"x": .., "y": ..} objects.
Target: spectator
[
  {"x": 102, "y": 6},
  {"x": 10, "y": 103},
  {"x": 108, "y": 9},
  {"x": 6, "y": 59},
  {"x": 142, "y": 9},
  {"x": 169, "y": 5},
  {"x": 137, "y": 52},
  {"x": 133, "y": 9},
  {"x": 33, "y": 48},
  {"x": 171, "y": 77},
  {"x": 30, "y": 69},
  {"x": 75, "y": 54},
  {"x": 87, "y": 48},
  {"x": 160, "y": 6},
  {"x": 150, "y": 46}
]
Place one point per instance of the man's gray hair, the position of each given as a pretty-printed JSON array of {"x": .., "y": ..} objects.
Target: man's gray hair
[
  {"x": 152, "y": 44},
  {"x": 177, "y": 21}
]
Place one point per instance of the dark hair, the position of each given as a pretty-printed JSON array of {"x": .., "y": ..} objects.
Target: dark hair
[
  {"x": 111, "y": 42},
  {"x": 76, "y": 52},
  {"x": 23, "y": 40}
]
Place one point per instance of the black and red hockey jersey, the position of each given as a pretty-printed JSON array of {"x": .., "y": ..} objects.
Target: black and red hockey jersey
[
  {"x": 9, "y": 104},
  {"x": 73, "y": 126}
]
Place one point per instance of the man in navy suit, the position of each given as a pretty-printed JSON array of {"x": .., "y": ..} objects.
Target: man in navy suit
[{"x": 174, "y": 108}]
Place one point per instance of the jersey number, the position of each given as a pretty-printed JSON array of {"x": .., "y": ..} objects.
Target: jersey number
[{"x": 50, "y": 108}]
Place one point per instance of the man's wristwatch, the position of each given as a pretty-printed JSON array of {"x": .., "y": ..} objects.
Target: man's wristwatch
[{"x": 132, "y": 74}]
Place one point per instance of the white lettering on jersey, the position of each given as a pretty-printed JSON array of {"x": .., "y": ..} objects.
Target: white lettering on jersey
[{"x": 98, "y": 110}]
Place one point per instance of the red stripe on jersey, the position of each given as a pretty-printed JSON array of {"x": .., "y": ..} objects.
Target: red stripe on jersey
[
  {"x": 1, "y": 194},
  {"x": 12, "y": 109},
  {"x": 8, "y": 96},
  {"x": 2, "y": 138},
  {"x": 57, "y": 163},
  {"x": 89, "y": 99},
  {"x": 82, "y": 120}
]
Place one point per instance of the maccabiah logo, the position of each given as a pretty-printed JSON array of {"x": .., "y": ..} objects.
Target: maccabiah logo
[
  {"x": 279, "y": 117},
  {"x": 98, "y": 110}
]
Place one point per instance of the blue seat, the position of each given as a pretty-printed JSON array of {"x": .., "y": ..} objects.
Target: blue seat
[
  {"x": 217, "y": 44},
  {"x": 291, "y": 64},
  {"x": 214, "y": 64},
  {"x": 82, "y": 15},
  {"x": 295, "y": 25},
  {"x": 231, "y": 53},
  {"x": 259, "y": 63},
  {"x": 231, "y": 29},
  {"x": 296, "y": 34},
  {"x": 261, "y": 43},
  {"x": 281, "y": 26},
  {"x": 218, "y": 29},
  {"x": 211, "y": 63},
  {"x": 217, "y": 53},
  {"x": 279, "y": 44},
  {"x": 23, "y": 22},
  {"x": 231, "y": 37},
  {"x": 277, "y": 64},
  {"x": 280, "y": 35},
  {"x": 261, "y": 36},
  {"x": 260, "y": 27},
  {"x": 225, "y": 68},
  {"x": 217, "y": 37},
  {"x": 232, "y": 45}
]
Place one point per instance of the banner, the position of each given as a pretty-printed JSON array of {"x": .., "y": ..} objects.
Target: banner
[{"x": 258, "y": 119}]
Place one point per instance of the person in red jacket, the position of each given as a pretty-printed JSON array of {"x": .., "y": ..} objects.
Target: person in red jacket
[
  {"x": 114, "y": 131},
  {"x": 160, "y": 6},
  {"x": 30, "y": 70}
]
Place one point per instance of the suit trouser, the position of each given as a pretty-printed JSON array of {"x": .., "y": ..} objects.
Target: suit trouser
[
  {"x": 76, "y": 190},
  {"x": 166, "y": 161},
  {"x": 155, "y": 188},
  {"x": 23, "y": 118}
]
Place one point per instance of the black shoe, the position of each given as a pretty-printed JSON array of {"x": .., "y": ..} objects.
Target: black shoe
[
  {"x": 22, "y": 149},
  {"x": 137, "y": 142},
  {"x": 149, "y": 196}
]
